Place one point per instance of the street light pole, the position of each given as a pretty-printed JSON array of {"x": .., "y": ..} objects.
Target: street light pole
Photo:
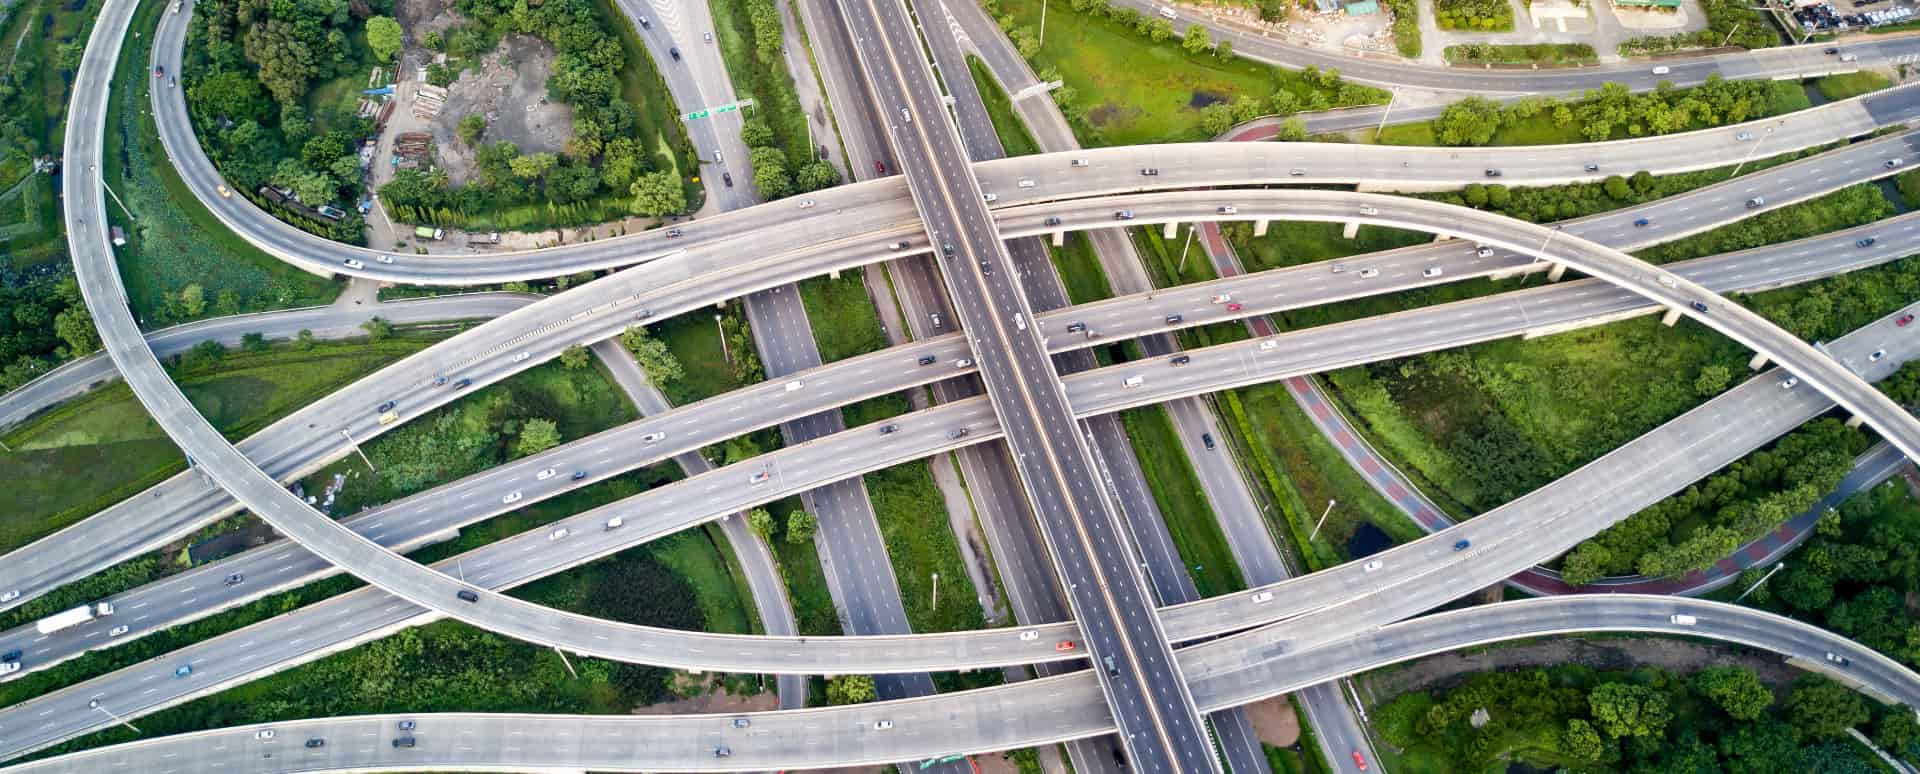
[
  {"x": 1323, "y": 520},
  {"x": 356, "y": 450},
  {"x": 1756, "y": 584},
  {"x": 1043, "y": 22},
  {"x": 936, "y": 591},
  {"x": 1183, "y": 251},
  {"x": 116, "y": 718},
  {"x": 1391, "y": 96},
  {"x": 1750, "y": 152}
]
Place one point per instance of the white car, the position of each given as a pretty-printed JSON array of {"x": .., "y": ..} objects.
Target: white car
[
  {"x": 882, "y": 725},
  {"x": 1222, "y": 298},
  {"x": 1790, "y": 383},
  {"x": 9, "y": 667},
  {"x": 962, "y": 363},
  {"x": 653, "y": 437},
  {"x": 1369, "y": 273},
  {"x": 1268, "y": 344},
  {"x": 354, "y": 263},
  {"x": 511, "y": 497},
  {"x": 265, "y": 733},
  {"x": 545, "y": 474},
  {"x": 557, "y": 534},
  {"x": 1369, "y": 211},
  {"x": 1431, "y": 272},
  {"x": 522, "y": 356},
  {"x": 806, "y": 204},
  {"x": 119, "y": 630},
  {"x": 1029, "y": 635},
  {"x": 1373, "y": 565},
  {"x": 384, "y": 258},
  {"x": 10, "y": 596},
  {"x": 1262, "y": 597},
  {"x": 1483, "y": 251}
]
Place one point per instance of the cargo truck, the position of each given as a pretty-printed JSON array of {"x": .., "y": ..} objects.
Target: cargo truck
[
  {"x": 428, "y": 232},
  {"x": 74, "y": 617}
]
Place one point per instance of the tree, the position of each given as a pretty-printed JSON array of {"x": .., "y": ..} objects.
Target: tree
[
  {"x": 1580, "y": 742},
  {"x": 1623, "y": 710},
  {"x": 761, "y": 523},
  {"x": 377, "y": 328},
  {"x": 575, "y": 357},
  {"x": 471, "y": 126},
  {"x": 1711, "y": 380},
  {"x": 1026, "y": 42},
  {"x": 1224, "y": 51},
  {"x": 303, "y": 340},
  {"x": 1274, "y": 10},
  {"x": 801, "y": 526},
  {"x": 652, "y": 355},
  {"x": 816, "y": 175},
  {"x": 74, "y": 325},
  {"x": 532, "y": 165},
  {"x": 1216, "y": 119},
  {"x": 253, "y": 342},
  {"x": 193, "y": 300},
  {"x": 770, "y": 172},
  {"x": 1291, "y": 130},
  {"x": 658, "y": 193},
  {"x": 1471, "y": 121},
  {"x": 1758, "y": 748},
  {"x": 208, "y": 351},
  {"x": 755, "y": 133},
  {"x": 1616, "y": 188},
  {"x": 1197, "y": 41},
  {"x": 537, "y": 435},
  {"x": 383, "y": 36},
  {"x": 1158, "y": 30},
  {"x": 1896, "y": 730},
  {"x": 1819, "y": 708},
  {"x": 1737, "y": 690},
  {"x": 851, "y": 689}
]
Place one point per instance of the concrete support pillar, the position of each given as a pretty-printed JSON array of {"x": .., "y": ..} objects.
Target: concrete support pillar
[
  {"x": 835, "y": 274},
  {"x": 1059, "y": 238},
  {"x": 1554, "y": 274},
  {"x": 1173, "y": 227},
  {"x": 1352, "y": 230},
  {"x": 1855, "y": 421},
  {"x": 1758, "y": 362},
  {"x": 1672, "y": 316},
  {"x": 1260, "y": 227},
  {"x": 1441, "y": 236}
]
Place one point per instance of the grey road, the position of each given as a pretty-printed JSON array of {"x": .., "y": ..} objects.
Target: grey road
[{"x": 1020, "y": 715}]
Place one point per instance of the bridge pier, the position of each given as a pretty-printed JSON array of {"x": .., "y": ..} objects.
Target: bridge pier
[
  {"x": 1352, "y": 230},
  {"x": 1260, "y": 227},
  {"x": 1854, "y": 422},
  {"x": 1059, "y": 238},
  {"x": 1441, "y": 236},
  {"x": 1554, "y": 274},
  {"x": 1672, "y": 316},
  {"x": 1758, "y": 362},
  {"x": 1172, "y": 229}
]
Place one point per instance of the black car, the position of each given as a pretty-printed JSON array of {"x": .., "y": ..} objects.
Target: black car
[
  {"x": 385, "y": 407},
  {"x": 674, "y": 233},
  {"x": 235, "y": 579},
  {"x": 1593, "y": 167},
  {"x": 1174, "y": 319},
  {"x": 888, "y": 429},
  {"x": 462, "y": 384},
  {"x": 928, "y": 359},
  {"x": 1699, "y": 306},
  {"x": 985, "y": 268},
  {"x": 1831, "y": 51},
  {"x": 316, "y": 742},
  {"x": 466, "y": 595},
  {"x": 1150, "y": 171},
  {"x": 1053, "y": 220},
  {"x": 1867, "y": 242},
  {"x": 727, "y": 177},
  {"x": 1180, "y": 360},
  {"x": 675, "y": 53},
  {"x": 579, "y": 474},
  {"x": 947, "y": 248},
  {"x": 12, "y": 655},
  {"x": 405, "y": 741},
  {"x": 1493, "y": 173},
  {"x": 1076, "y": 327},
  {"x": 1207, "y": 438}
]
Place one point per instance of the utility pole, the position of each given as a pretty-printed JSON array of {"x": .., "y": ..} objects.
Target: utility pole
[
  {"x": 1756, "y": 584},
  {"x": 1323, "y": 520},
  {"x": 1043, "y": 22},
  {"x": 95, "y": 703},
  {"x": 723, "y": 338},
  {"x": 1391, "y": 96},
  {"x": 356, "y": 450},
  {"x": 565, "y": 662},
  {"x": 936, "y": 591},
  {"x": 1183, "y": 252},
  {"x": 1756, "y": 149}
]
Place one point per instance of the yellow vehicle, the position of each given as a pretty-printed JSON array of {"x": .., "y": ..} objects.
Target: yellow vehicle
[{"x": 389, "y": 417}]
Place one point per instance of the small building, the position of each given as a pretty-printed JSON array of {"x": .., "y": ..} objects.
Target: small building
[
  {"x": 1327, "y": 6},
  {"x": 1363, "y": 8},
  {"x": 1668, "y": 4}
]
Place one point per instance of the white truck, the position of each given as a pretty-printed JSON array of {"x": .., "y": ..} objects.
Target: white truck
[{"x": 74, "y": 617}]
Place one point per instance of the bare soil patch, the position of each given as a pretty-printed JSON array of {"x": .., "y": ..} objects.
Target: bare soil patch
[
  {"x": 1275, "y": 720},
  {"x": 509, "y": 88}
]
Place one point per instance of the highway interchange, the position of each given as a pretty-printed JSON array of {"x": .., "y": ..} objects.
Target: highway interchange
[{"x": 677, "y": 269}]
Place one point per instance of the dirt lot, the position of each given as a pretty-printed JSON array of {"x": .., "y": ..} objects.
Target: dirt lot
[
  {"x": 1608, "y": 654},
  {"x": 510, "y": 89}
]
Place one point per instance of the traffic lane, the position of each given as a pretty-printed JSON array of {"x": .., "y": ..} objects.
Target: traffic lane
[
  {"x": 1023, "y": 714},
  {"x": 423, "y": 517}
]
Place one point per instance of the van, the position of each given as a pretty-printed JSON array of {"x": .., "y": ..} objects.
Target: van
[
  {"x": 1112, "y": 671},
  {"x": 1168, "y": 13},
  {"x": 1026, "y": 182},
  {"x": 1019, "y": 321},
  {"x": 906, "y": 116},
  {"x": 1662, "y": 70},
  {"x": 1134, "y": 381},
  {"x": 794, "y": 385},
  {"x": 389, "y": 418},
  {"x": 1684, "y": 620}
]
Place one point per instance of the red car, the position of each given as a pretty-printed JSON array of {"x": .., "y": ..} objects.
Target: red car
[
  {"x": 1233, "y": 307},
  {"x": 1064, "y": 646},
  {"x": 1359, "y": 760},
  {"x": 880, "y": 167},
  {"x": 1904, "y": 319}
]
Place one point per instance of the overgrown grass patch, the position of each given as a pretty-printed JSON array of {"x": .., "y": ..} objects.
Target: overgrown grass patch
[
  {"x": 1176, "y": 489},
  {"x": 913, "y": 522},
  {"x": 842, "y": 316},
  {"x": 1014, "y": 138},
  {"x": 1854, "y": 84}
]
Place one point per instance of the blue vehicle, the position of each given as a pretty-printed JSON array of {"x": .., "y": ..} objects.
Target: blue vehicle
[
  {"x": 1641, "y": 223},
  {"x": 1461, "y": 545},
  {"x": 183, "y": 671}
]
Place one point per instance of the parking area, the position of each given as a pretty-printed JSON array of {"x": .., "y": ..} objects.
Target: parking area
[{"x": 1845, "y": 15}]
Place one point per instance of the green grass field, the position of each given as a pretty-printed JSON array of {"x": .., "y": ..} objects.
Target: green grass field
[
  {"x": 177, "y": 242},
  {"x": 694, "y": 338},
  {"x": 1006, "y": 123},
  {"x": 1189, "y": 519},
  {"x": 1138, "y": 91},
  {"x": 842, "y": 316},
  {"x": 767, "y": 83},
  {"x": 1293, "y": 243},
  {"x": 97, "y": 449},
  {"x": 1836, "y": 87},
  {"x": 1080, "y": 269},
  {"x": 913, "y": 522},
  {"x": 806, "y": 581}
]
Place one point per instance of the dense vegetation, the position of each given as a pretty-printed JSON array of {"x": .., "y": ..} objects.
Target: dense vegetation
[
  {"x": 1697, "y": 527},
  {"x": 1855, "y": 575},
  {"x": 776, "y": 135},
  {"x": 1729, "y": 23},
  {"x": 250, "y": 66},
  {"x": 40, "y": 330},
  {"x": 1613, "y": 112},
  {"x": 608, "y": 156},
  {"x": 1477, "y": 15},
  {"x": 1541, "y": 53},
  {"x": 1647, "y": 721}
]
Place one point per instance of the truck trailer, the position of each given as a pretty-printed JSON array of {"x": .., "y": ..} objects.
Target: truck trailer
[{"x": 74, "y": 617}]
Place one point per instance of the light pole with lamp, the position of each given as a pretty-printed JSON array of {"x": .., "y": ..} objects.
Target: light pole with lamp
[
  {"x": 95, "y": 704},
  {"x": 1323, "y": 520}
]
